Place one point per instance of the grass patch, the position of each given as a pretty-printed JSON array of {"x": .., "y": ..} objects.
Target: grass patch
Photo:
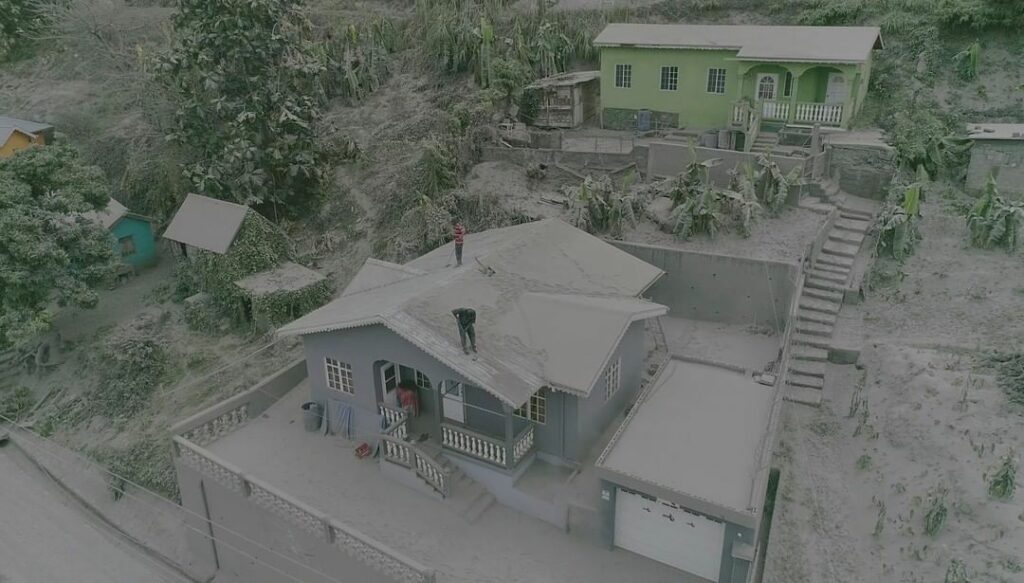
[
  {"x": 146, "y": 463},
  {"x": 16, "y": 403}
]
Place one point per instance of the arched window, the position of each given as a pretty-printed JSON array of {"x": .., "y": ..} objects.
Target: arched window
[{"x": 766, "y": 87}]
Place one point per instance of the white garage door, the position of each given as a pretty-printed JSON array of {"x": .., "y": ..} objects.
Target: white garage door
[{"x": 669, "y": 534}]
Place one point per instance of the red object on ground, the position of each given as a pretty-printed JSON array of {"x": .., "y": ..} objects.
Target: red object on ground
[
  {"x": 408, "y": 398},
  {"x": 363, "y": 450}
]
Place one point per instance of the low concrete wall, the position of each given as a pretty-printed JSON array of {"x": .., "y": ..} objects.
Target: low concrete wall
[
  {"x": 667, "y": 159},
  {"x": 603, "y": 161},
  {"x": 862, "y": 170},
  {"x": 719, "y": 288},
  {"x": 1005, "y": 158}
]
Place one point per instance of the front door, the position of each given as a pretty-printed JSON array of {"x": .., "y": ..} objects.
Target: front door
[
  {"x": 454, "y": 402},
  {"x": 835, "y": 92},
  {"x": 388, "y": 383},
  {"x": 767, "y": 86}
]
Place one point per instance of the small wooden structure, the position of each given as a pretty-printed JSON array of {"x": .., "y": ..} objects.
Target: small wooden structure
[{"x": 567, "y": 100}]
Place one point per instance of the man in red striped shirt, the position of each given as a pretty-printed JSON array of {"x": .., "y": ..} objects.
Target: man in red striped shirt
[{"x": 460, "y": 235}]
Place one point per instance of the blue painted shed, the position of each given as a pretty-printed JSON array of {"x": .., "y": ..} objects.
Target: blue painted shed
[{"x": 132, "y": 234}]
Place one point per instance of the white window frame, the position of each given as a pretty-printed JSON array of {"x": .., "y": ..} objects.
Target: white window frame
[
  {"x": 673, "y": 78},
  {"x": 775, "y": 86},
  {"x": 338, "y": 376},
  {"x": 536, "y": 409},
  {"x": 422, "y": 381},
  {"x": 623, "y": 76},
  {"x": 612, "y": 378},
  {"x": 716, "y": 75}
]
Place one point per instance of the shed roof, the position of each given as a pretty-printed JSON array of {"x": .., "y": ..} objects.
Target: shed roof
[
  {"x": 565, "y": 79},
  {"x": 206, "y": 223},
  {"x": 107, "y": 217},
  {"x": 995, "y": 131},
  {"x": 7, "y": 131},
  {"x": 552, "y": 302},
  {"x": 814, "y": 44},
  {"x": 699, "y": 432},
  {"x": 284, "y": 278},
  {"x": 30, "y": 127}
]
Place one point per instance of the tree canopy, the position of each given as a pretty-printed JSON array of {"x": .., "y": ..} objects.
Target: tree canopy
[
  {"x": 247, "y": 90},
  {"x": 49, "y": 251}
]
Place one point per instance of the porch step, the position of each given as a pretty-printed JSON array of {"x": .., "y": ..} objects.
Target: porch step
[
  {"x": 816, "y": 317},
  {"x": 818, "y": 305},
  {"x": 814, "y": 328},
  {"x": 855, "y": 214},
  {"x": 846, "y": 237},
  {"x": 823, "y": 294},
  {"x": 478, "y": 507},
  {"x": 808, "y": 354},
  {"x": 833, "y": 276},
  {"x": 855, "y": 225},
  {"x": 803, "y": 395},
  {"x": 823, "y": 284},
  {"x": 837, "y": 260},
  {"x": 821, "y": 208},
  {"x": 800, "y": 380},
  {"x": 817, "y": 266},
  {"x": 815, "y": 341},
  {"x": 807, "y": 367},
  {"x": 841, "y": 249}
]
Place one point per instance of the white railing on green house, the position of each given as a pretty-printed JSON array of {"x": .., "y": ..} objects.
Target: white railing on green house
[{"x": 830, "y": 114}]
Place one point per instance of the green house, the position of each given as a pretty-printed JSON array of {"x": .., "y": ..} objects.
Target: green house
[
  {"x": 132, "y": 234},
  {"x": 743, "y": 78}
]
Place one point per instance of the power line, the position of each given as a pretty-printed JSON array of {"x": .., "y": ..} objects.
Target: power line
[{"x": 150, "y": 504}]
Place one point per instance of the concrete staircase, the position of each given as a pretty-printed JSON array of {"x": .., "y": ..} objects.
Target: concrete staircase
[
  {"x": 826, "y": 280},
  {"x": 765, "y": 142},
  {"x": 466, "y": 496}
]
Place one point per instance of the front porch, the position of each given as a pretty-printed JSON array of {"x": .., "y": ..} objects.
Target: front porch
[{"x": 795, "y": 94}]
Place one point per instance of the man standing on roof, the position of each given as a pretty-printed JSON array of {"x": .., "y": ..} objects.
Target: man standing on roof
[
  {"x": 466, "y": 317},
  {"x": 459, "y": 233}
]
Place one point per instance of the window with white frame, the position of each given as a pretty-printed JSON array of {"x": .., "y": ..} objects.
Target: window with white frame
[
  {"x": 669, "y": 78},
  {"x": 535, "y": 410},
  {"x": 716, "y": 81},
  {"x": 612, "y": 378},
  {"x": 339, "y": 376},
  {"x": 422, "y": 380},
  {"x": 624, "y": 76}
]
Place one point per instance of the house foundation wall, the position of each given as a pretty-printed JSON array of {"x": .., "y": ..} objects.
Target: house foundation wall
[
  {"x": 667, "y": 159},
  {"x": 862, "y": 170},
  {"x": 1005, "y": 159}
]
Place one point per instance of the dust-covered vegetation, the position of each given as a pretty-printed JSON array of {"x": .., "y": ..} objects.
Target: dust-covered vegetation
[{"x": 995, "y": 221}]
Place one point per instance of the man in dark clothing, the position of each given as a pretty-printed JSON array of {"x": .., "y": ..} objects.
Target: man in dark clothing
[
  {"x": 466, "y": 317},
  {"x": 459, "y": 233}
]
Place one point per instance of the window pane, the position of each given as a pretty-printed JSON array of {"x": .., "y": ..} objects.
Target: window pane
[
  {"x": 623, "y": 75},
  {"x": 669, "y": 78}
]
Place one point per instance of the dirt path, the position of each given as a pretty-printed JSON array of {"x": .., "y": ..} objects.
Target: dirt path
[{"x": 46, "y": 537}]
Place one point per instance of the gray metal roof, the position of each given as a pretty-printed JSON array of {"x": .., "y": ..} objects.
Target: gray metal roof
[
  {"x": 814, "y": 44},
  {"x": 285, "y": 277},
  {"x": 206, "y": 223},
  {"x": 552, "y": 303},
  {"x": 995, "y": 131},
  {"x": 32, "y": 127},
  {"x": 698, "y": 432},
  {"x": 565, "y": 79},
  {"x": 107, "y": 217}
]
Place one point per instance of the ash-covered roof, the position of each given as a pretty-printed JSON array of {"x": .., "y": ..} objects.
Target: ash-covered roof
[
  {"x": 206, "y": 223},
  {"x": 813, "y": 44},
  {"x": 552, "y": 302},
  {"x": 995, "y": 131},
  {"x": 26, "y": 126},
  {"x": 565, "y": 79},
  {"x": 284, "y": 278}
]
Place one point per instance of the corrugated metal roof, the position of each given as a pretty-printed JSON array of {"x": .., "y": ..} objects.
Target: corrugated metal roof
[
  {"x": 376, "y": 273},
  {"x": 285, "y": 277},
  {"x": 995, "y": 131},
  {"x": 814, "y": 44},
  {"x": 564, "y": 79},
  {"x": 114, "y": 212},
  {"x": 31, "y": 127},
  {"x": 576, "y": 293},
  {"x": 206, "y": 223}
]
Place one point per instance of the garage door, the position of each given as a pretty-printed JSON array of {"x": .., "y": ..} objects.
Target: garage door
[{"x": 668, "y": 534}]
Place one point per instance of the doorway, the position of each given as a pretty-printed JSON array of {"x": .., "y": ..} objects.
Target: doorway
[
  {"x": 835, "y": 91},
  {"x": 767, "y": 86},
  {"x": 453, "y": 401}
]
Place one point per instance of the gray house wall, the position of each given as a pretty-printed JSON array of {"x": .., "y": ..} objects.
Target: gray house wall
[
  {"x": 551, "y": 435},
  {"x": 1005, "y": 157},
  {"x": 593, "y": 414}
]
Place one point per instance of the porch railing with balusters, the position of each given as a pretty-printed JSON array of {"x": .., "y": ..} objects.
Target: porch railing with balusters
[
  {"x": 394, "y": 421},
  {"x": 823, "y": 113},
  {"x": 403, "y": 453},
  {"x": 522, "y": 444},
  {"x": 775, "y": 110},
  {"x": 474, "y": 444}
]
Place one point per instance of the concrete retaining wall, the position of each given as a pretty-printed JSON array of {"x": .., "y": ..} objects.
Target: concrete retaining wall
[
  {"x": 597, "y": 160},
  {"x": 720, "y": 288},
  {"x": 667, "y": 159},
  {"x": 1005, "y": 158},
  {"x": 862, "y": 170}
]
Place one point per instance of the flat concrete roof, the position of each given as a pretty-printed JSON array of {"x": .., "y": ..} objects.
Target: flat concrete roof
[
  {"x": 698, "y": 432},
  {"x": 996, "y": 131}
]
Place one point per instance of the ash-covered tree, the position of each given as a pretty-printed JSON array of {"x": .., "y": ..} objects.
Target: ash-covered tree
[
  {"x": 247, "y": 89},
  {"x": 49, "y": 251},
  {"x": 19, "y": 20}
]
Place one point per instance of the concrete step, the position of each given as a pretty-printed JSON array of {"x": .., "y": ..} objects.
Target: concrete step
[
  {"x": 822, "y": 284},
  {"x": 476, "y": 510},
  {"x": 817, "y": 317},
  {"x": 817, "y": 305},
  {"x": 800, "y": 380},
  {"x": 818, "y": 266},
  {"x": 832, "y": 276},
  {"x": 808, "y": 340},
  {"x": 808, "y": 353},
  {"x": 841, "y": 249},
  {"x": 846, "y": 237},
  {"x": 812, "y": 205},
  {"x": 807, "y": 367},
  {"x": 823, "y": 294},
  {"x": 814, "y": 328},
  {"x": 855, "y": 225},
  {"x": 804, "y": 396},
  {"x": 857, "y": 215},
  {"x": 837, "y": 260}
]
